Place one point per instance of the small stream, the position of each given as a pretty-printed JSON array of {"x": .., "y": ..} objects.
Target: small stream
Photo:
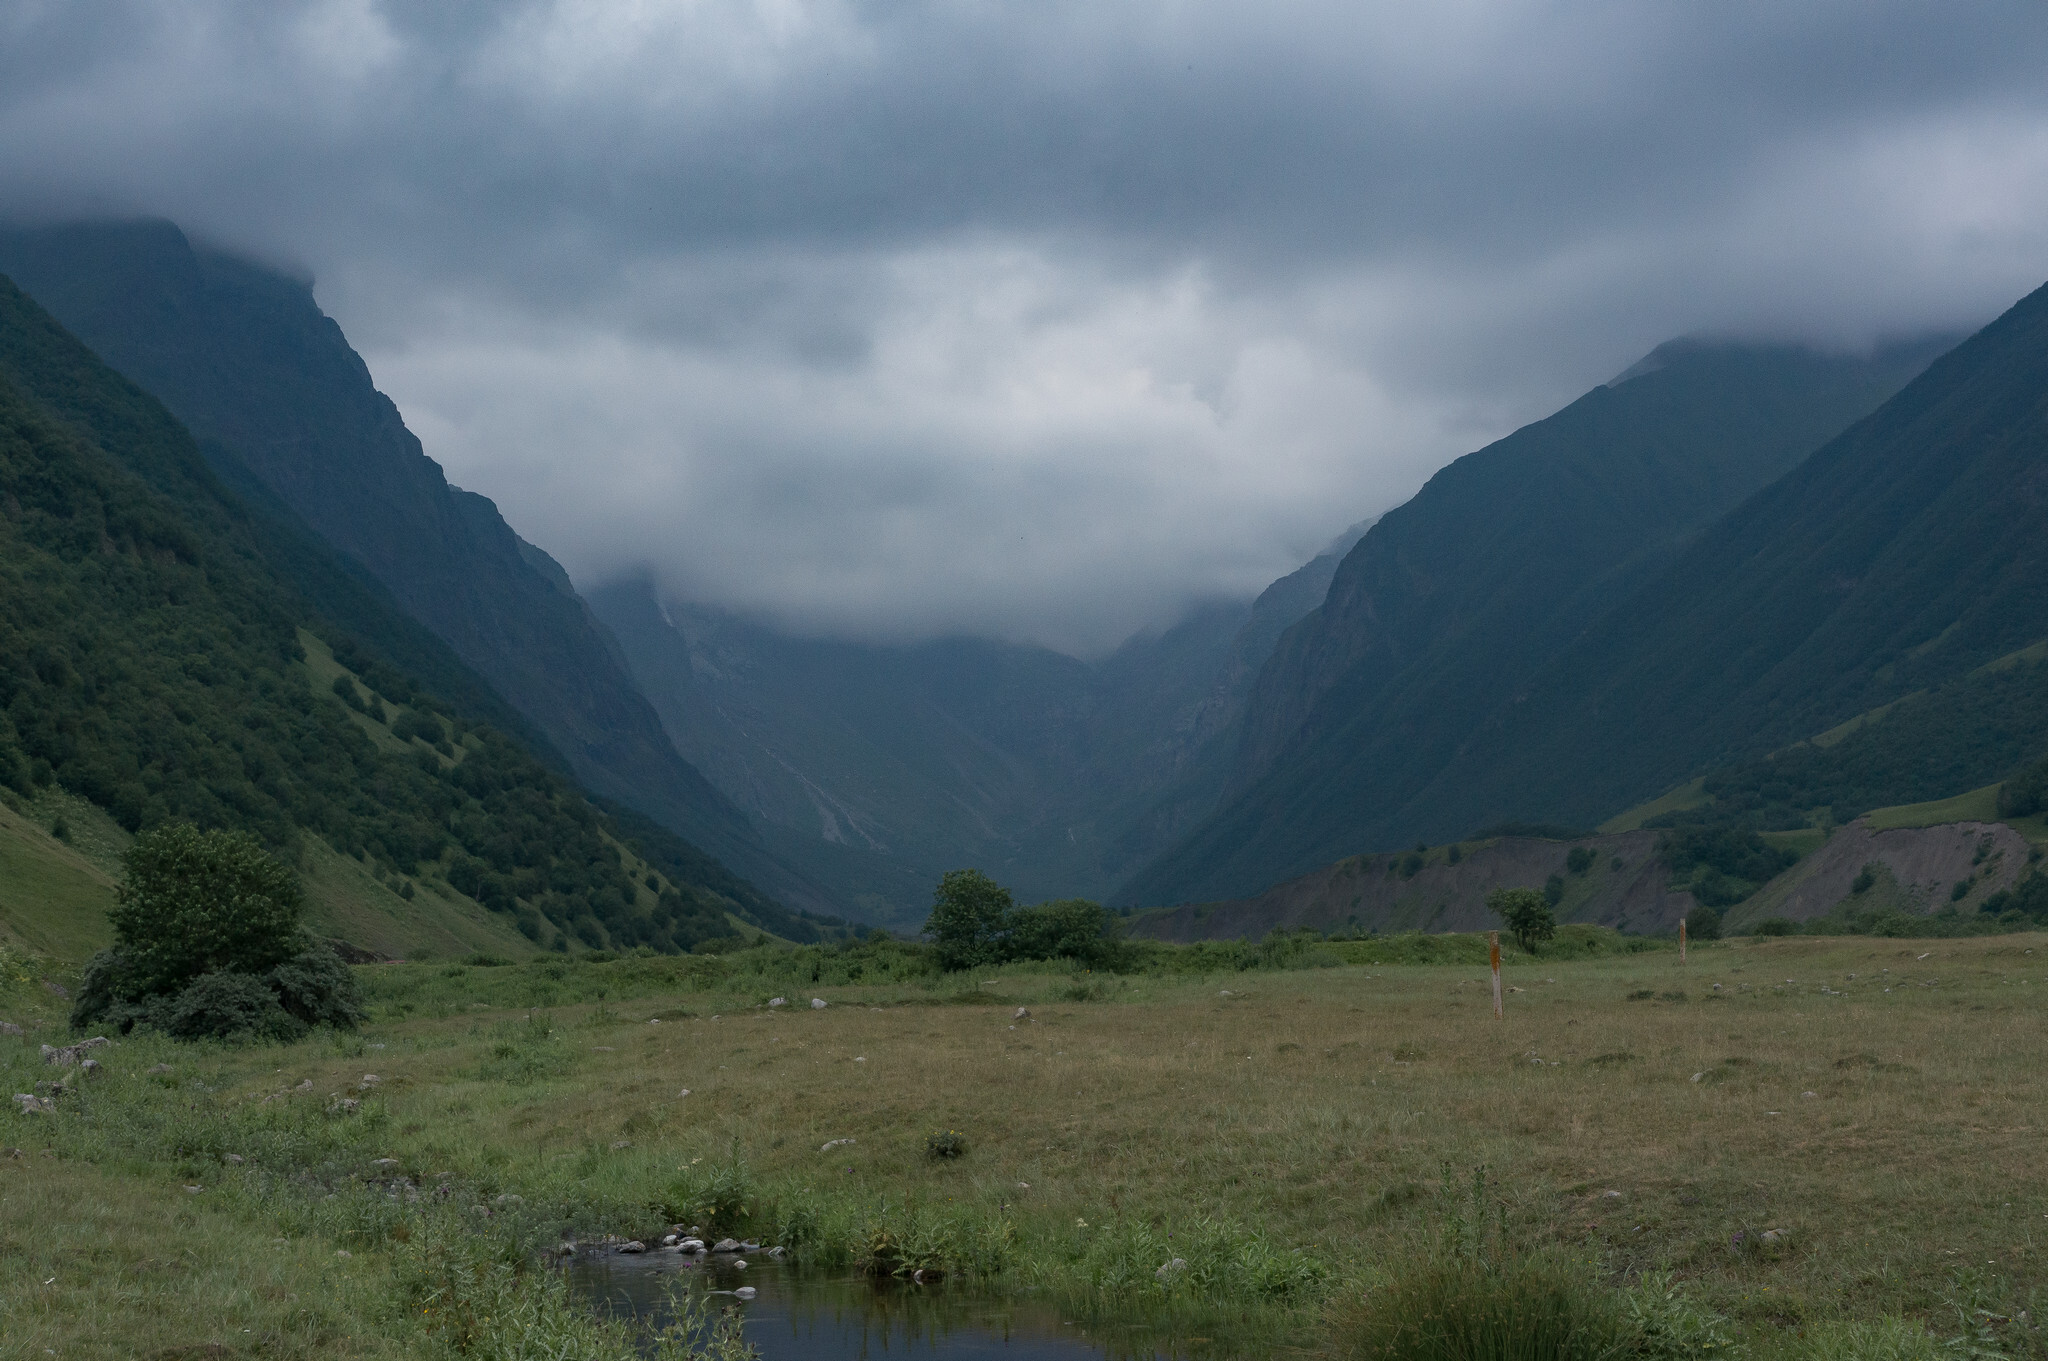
[{"x": 799, "y": 1316}]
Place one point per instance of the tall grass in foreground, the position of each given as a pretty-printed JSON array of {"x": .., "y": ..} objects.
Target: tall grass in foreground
[{"x": 1473, "y": 1295}]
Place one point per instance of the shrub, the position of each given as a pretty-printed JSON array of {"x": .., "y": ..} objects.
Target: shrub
[
  {"x": 1865, "y": 879},
  {"x": 218, "y": 1005},
  {"x": 1773, "y": 926},
  {"x": 945, "y": 1143},
  {"x": 1703, "y": 923},
  {"x": 207, "y": 944},
  {"x": 202, "y": 902},
  {"x": 974, "y": 922},
  {"x": 1453, "y": 853},
  {"x": 1553, "y": 890},
  {"x": 1526, "y": 914},
  {"x": 1580, "y": 860},
  {"x": 968, "y": 918},
  {"x": 1722, "y": 866},
  {"x": 316, "y": 988}
]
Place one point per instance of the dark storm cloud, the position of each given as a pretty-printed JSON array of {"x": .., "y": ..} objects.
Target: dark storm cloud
[{"x": 1036, "y": 319}]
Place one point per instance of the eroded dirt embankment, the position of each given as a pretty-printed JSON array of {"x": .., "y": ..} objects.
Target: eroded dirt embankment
[
  {"x": 1920, "y": 867},
  {"x": 1624, "y": 887}
]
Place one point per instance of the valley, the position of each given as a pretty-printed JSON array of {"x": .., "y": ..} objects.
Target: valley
[{"x": 638, "y": 892}]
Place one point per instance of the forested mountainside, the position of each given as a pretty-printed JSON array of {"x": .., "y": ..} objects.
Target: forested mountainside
[
  {"x": 1906, "y": 554},
  {"x": 276, "y": 397},
  {"x": 1361, "y": 728},
  {"x": 153, "y": 661},
  {"x": 877, "y": 768}
]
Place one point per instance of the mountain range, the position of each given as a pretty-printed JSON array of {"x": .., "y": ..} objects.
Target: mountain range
[
  {"x": 877, "y": 768},
  {"x": 1776, "y": 585}
]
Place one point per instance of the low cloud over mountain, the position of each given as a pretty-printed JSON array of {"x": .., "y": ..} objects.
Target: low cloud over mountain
[{"x": 1040, "y": 321}]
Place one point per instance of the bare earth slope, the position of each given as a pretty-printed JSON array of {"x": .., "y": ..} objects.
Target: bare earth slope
[{"x": 1624, "y": 888}]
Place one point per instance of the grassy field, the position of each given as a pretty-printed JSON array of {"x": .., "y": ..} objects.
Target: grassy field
[{"x": 1874, "y": 1106}]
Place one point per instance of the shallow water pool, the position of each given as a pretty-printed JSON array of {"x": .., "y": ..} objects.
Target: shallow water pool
[{"x": 797, "y": 1316}]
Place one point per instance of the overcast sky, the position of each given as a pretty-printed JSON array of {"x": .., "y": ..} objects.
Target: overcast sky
[{"x": 1039, "y": 318}]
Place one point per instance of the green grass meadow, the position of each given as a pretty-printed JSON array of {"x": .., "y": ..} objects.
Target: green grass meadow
[{"x": 1806, "y": 1147}]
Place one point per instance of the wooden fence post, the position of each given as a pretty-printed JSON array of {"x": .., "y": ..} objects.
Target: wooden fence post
[
  {"x": 1493, "y": 953},
  {"x": 1681, "y": 940}
]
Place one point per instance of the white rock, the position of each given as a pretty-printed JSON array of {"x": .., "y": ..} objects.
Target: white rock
[
  {"x": 1023, "y": 1012},
  {"x": 778, "y": 1001},
  {"x": 817, "y": 1004},
  {"x": 832, "y": 1144},
  {"x": 1171, "y": 1270},
  {"x": 745, "y": 1292}
]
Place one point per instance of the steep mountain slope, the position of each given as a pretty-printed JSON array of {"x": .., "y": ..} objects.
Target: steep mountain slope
[
  {"x": 878, "y": 768},
  {"x": 1437, "y": 618},
  {"x": 268, "y": 383},
  {"x": 1909, "y": 551},
  {"x": 153, "y": 662}
]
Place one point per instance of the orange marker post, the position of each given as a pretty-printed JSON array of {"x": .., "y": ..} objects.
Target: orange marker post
[
  {"x": 1681, "y": 940},
  {"x": 1493, "y": 954}
]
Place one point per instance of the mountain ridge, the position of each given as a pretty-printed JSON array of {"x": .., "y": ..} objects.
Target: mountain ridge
[
  {"x": 1434, "y": 619},
  {"x": 244, "y": 356}
]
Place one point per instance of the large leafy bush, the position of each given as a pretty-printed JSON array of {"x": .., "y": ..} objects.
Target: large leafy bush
[{"x": 208, "y": 943}]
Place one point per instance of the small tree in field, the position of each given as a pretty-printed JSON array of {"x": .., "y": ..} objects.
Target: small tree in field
[
  {"x": 203, "y": 902},
  {"x": 1526, "y": 913},
  {"x": 970, "y": 915},
  {"x": 207, "y": 942}
]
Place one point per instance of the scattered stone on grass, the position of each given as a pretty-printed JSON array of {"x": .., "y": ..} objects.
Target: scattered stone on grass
[
  {"x": 632, "y": 1246},
  {"x": 778, "y": 1001},
  {"x": 31, "y": 1104},
  {"x": 1171, "y": 1271},
  {"x": 817, "y": 1004},
  {"x": 72, "y": 1053},
  {"x": 9, "y": 1028},
  {"x": 832, "y": 1144}
]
